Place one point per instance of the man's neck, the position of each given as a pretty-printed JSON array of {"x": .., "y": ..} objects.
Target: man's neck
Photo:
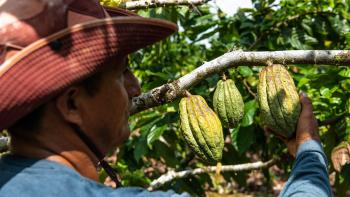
[{"x": 68, "y": 150}]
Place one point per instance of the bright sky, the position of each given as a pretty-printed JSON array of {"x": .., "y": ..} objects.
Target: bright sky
[{"x": 231, "y": 6}]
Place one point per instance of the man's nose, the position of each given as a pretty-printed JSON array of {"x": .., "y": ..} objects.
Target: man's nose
[{"x": 132, "y": 85}]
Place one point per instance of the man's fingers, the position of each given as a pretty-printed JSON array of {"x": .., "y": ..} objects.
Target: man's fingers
[
  {"x": 306, "y": 106},
  {"x": 307, "y": 124}
]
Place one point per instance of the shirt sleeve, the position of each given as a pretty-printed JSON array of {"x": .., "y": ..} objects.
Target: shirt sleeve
[{"x": 309, "y": 176}]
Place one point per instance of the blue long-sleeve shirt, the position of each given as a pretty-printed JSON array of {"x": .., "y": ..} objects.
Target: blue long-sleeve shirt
[
  {"x": 21, "y": 176},
  {"x": 309, "y": 176},
  {"x": 25, "y": 177}
]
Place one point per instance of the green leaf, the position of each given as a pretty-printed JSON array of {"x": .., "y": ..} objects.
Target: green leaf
[
  {"x": 247, "y": 24},
  {"x": 326, "y": 92},
  {"x": 143, "y": 119},
  {"x": 243, "y": 138},
  {"x": 310, "y": 40},
  {"x": 345, "y": 72},
  {"x": 155, "y": 133},
  {"x": 302, "y": 82},
  {"x": 345, "y": 84},
  {"x": 165, "y": 152},
  {"x": 170, "y": 108},
  {"x": 245, "y": 71},
  {"x": 307, "y": 28},
  {"x": 347, "y": 37},
  {"x": 250, "y": 108},
  {"x": 146, "y": 128},
  {"x": 141, "y": 149},
  {"x": 135, "y": 178},
  {"x": 335, "y": 100},
  {"x": 294, "y": 40}
]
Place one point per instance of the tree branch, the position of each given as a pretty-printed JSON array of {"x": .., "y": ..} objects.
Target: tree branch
[
  {"x": 171, "y": 175},
  {"x": 133, "y": 5},
  {"x": 332, "y": 121},
  {"x": 169, "y": 92}
]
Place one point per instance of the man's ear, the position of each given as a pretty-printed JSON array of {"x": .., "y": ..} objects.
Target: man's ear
[{"x": 68, "y": 106}]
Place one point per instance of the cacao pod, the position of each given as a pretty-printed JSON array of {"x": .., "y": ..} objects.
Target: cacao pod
[
  {"x": 228, "y": 103},
  {"x": 341, "y": 155},
  {"x": 279, "y": 100},
  {"x": 201, "y": 128}
]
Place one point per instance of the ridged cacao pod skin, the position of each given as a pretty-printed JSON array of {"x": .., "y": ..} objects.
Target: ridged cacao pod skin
[
  {"x": 340, "y": 155},
  {"x": 279, "y": 100},
  {"x": 201, "y": 128},
  {"x": 228, "y": 103}
]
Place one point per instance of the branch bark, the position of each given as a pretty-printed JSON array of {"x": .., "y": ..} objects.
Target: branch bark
[
  {"x": 171, "y": 91},
  {"x": 134, "y": 5},
  {"x": 171, "y": 175}
]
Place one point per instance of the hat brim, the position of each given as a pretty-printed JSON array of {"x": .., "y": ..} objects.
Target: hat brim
[{"x": 47, "y": 66}]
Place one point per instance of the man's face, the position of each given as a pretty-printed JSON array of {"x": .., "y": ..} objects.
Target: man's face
[{"x": 107, "y": 112}]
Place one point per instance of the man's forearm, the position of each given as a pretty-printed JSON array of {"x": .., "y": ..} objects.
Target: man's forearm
[{"x": 309, "y": 176}]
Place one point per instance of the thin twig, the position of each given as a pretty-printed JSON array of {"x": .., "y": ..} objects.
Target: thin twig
[
  {"x": 134, "y": 5},
  {"x": 248, "y": 88},
  {"x": 332, "y": 121},
  {"x": 171, "y": 175}
]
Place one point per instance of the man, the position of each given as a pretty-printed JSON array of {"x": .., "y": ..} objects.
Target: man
[
  {"x": 65, "y": 95},
  {"x": 309, "y": 176}
]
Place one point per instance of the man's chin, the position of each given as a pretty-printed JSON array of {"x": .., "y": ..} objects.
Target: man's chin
[{"x": 125, "y": 135}]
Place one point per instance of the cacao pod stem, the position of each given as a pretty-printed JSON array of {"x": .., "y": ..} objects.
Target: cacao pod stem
[
  {"x": 218, "y": 172},
  {"x": 187, "y": 93},
  {"x": 223, "y": 76}
]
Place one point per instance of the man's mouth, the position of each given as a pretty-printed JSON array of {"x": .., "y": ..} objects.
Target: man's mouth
[{"x": 129, "y": 107}]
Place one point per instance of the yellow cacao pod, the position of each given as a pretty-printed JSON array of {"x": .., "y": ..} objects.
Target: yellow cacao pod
[
  {"x": 340, "y": 155},
  {"x": 228, "y": 103},
  {"x": 201, "y": 128},
  {"x": 279, "y": 100}
]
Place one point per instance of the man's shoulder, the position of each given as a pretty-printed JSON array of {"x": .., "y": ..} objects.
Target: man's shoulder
[{"x": 28, "y": 177}]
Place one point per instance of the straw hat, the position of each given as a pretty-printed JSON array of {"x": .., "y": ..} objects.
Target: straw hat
[{"x": 48, "y": 45}]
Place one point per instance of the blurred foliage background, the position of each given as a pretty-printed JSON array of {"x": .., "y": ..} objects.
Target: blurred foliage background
[{"x": 156, "y": 144}]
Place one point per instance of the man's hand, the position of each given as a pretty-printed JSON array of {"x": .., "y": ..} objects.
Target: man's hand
[{"x": 307, "y": 127}]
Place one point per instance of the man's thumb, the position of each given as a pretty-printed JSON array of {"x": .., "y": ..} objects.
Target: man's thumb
[{"x": 306, "y": 105}]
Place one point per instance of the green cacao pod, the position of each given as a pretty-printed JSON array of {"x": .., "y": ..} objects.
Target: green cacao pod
[
  {"x": 228, "y": 103},
  {"x": 279, "y": 100},
  {"x": 201, "y": 128}
]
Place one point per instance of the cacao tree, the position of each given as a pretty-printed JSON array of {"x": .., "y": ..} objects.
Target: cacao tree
[{"x": 157, "y": 146}]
